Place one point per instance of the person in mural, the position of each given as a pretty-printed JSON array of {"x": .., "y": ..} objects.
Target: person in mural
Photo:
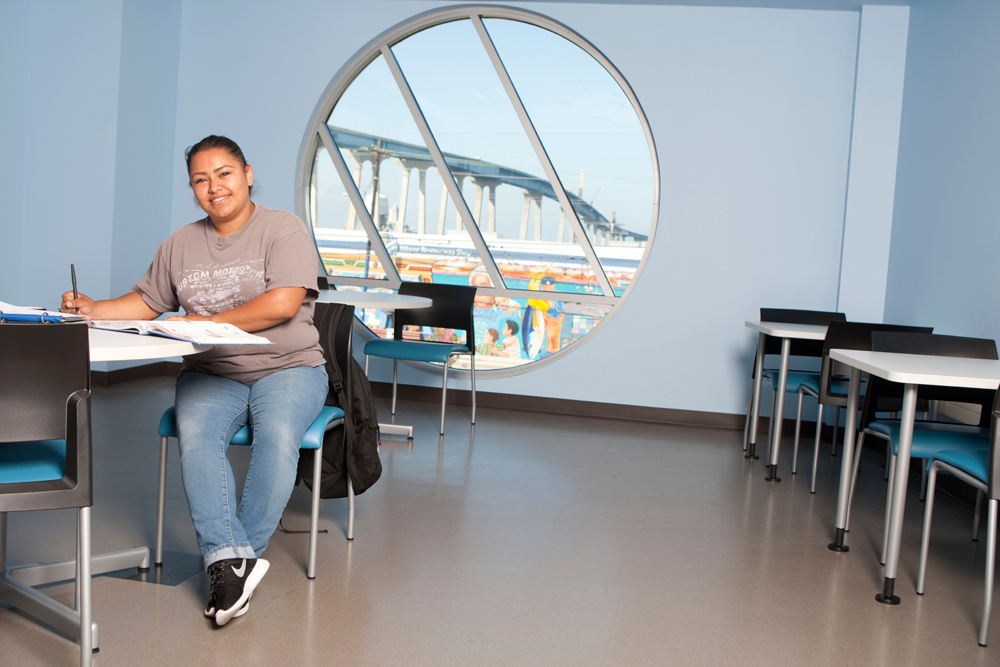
[
  {"x": 486, "y": 313},
  {"x": 553, "y": 317},
  {"x": 511, "y": 345},
  {"x": 255, "y": 268},
  {"x": 492, "y": 343}
]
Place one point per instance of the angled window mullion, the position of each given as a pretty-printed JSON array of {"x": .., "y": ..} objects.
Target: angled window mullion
[
  {"x": 446, "y": 176},
  {"x": 326, "y": 136},
  {"x": 543, "y": 157}
]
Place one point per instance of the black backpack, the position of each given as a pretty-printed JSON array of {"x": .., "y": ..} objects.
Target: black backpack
[{"x": 352, "y": 448}]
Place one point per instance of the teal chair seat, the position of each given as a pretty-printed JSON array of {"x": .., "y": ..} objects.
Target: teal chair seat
[
  {"x": 794, "y": 381},
  {"x": 313, "y": 439},
  {"x": 36, "y": 461},
  {"x": 975, "y": 462},
  {"x": 929, "y": 438},
  {"x": 411, "y": 350}
]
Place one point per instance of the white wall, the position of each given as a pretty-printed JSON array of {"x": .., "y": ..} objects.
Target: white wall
[{"x": 750, "y": 108}]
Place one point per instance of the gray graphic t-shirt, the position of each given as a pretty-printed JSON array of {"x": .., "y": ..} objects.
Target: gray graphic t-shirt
[{"x": 204, "y": 273}]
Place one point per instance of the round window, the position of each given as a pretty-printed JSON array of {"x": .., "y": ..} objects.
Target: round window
[{"x": 486, "y": 146}]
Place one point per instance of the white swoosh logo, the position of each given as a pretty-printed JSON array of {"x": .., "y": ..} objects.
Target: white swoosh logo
[{"x": 243, "y": 568}]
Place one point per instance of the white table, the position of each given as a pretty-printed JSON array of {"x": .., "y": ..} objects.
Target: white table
[
  {"x": 786, "y": 332},
  {"x": 104, "y": 346},
  {"x": 118, "y": 346},
  {"x": 384, "y": 301},
  {"x": 910, "y": 370}
]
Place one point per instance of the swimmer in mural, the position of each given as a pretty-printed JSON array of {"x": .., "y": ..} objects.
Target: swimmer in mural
[{"x": 553, "y": 317}]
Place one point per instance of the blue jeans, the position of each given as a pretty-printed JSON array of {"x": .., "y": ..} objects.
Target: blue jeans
[{"x": 210, "y": 410}]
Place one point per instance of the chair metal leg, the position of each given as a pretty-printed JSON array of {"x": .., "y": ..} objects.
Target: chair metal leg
[
  {"x": 472, "y": 357},
  {"x": 819, "y": 430},
  {"x": 444, "y": 393},
  {"x": 991, "y": 553},
  {"x": 925, "y": 538},
  {"x": 746, "y": 424},
  {"x": 923, "y": 480},
  {"x": 395, "y": 368},
  {"x": 854, "y": 478},
  {"x": 888, "y": 508},
  {"x": 350, "y": 509},
  {"x": 770, "y": 423},
  {"x": 366, "y": 364},
  {"x": 975, "y": 519},
  {"x": 161, "y": 500},
  {"x": 888, "y": 455},
  {"x": 314, "y": 513},
  {"x": 798, "y": 427},
  {"x": 86, "y": 636},
  {"x": 836, "y": 425}
]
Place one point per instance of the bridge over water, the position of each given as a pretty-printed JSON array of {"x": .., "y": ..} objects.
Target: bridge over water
[{"x": 486, "y": 176}]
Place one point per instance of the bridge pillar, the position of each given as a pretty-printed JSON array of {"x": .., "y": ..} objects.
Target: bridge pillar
[
  {"x": 562, "y": 226},
  {"x": 443, "y": 210},
  {"x": 421, "y": 199},
  {"x": 523, "y": 235},
  {"x": 352, "y": 214},
  {"x": 403, "y": 191},
  {"x": 477, "y": 208},
  {"x": 493, "y": 208},
  {"x": 458, "y": 215},
  {"x": 538, "y": 218}
]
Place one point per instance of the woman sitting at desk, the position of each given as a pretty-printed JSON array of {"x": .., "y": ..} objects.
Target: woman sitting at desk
[{"x": 255, "y": 268}]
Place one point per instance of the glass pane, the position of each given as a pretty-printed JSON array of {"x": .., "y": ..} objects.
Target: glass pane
[
  {"x": 500, "y": 176},
  {"x": 405, "y": 195},
  {"x": 592, "y": 135},
  {"x": 343, "y": 243}
]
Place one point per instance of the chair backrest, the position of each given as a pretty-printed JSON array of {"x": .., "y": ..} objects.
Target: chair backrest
[
  {"x": 879, "y": 390},
  {"x": 41, "y": 366},
  {"x": 799, "y": 348},
  {"x": 451, "y": 309},
  {"x": 45, "y": 395},
  {"x": 851, "y": 336}
]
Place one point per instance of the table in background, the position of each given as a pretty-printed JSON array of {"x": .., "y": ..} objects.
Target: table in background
[
  {"x": 910, "y": 370},
  {"x": 786, "y": 332},
  {"x": 384, "y": 301}
]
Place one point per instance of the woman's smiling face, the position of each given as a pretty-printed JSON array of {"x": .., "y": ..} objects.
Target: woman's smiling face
[{"x": 221, "y": 186}]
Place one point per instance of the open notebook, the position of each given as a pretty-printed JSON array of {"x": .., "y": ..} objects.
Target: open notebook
[
  {"x": 12, "y": 313},
  {"x": 201, "y": 333}
]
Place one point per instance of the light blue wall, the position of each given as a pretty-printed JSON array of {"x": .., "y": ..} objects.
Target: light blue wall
[
  {"x": 878, "y": 102},
  {"x": 751, "y": 110},
  {"x": 943, "y": 268},
  {"x": 60, "y": 70},
  {"x": 144, "y": 144}
]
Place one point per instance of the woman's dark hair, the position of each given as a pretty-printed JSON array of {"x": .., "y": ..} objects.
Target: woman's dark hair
[{"x": 216, "y": 141}]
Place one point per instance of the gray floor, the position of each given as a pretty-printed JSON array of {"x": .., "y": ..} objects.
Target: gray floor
[{"x": 535, "y": 540}]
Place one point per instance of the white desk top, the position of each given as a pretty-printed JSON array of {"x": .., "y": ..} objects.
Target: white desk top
[
  {"x": 789, "y": 330},
  {"x": 383, "y": 300},
  {"x": 118, "y": 346},
  {"x": 923, "y": 369}
]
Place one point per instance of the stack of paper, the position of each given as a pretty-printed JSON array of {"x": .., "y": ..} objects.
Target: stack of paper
[{"x": 12, "y": 313}]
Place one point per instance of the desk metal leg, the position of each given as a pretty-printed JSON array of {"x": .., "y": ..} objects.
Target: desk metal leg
[
  {"x": 847, "y": 462},
  {"x": 778, "y": 410},
  {"x": 755, "y": 407},
  {"x": 899, "y": 495}
]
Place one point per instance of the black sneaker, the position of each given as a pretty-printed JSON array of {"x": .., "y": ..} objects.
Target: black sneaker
[{"x": 233, "y": 582}]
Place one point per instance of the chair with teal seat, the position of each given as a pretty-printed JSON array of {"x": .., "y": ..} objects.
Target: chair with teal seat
[
  {"x": 798, "y": 348},
  {"x": 981, "y": 469},
  {"x": 928, "y": 437},
  {"x": 329, "y": 417},
  {"x": 45, "y": 457},
  {"x": 451, "y": 309},
  {"x": 832, "y": 389}
]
